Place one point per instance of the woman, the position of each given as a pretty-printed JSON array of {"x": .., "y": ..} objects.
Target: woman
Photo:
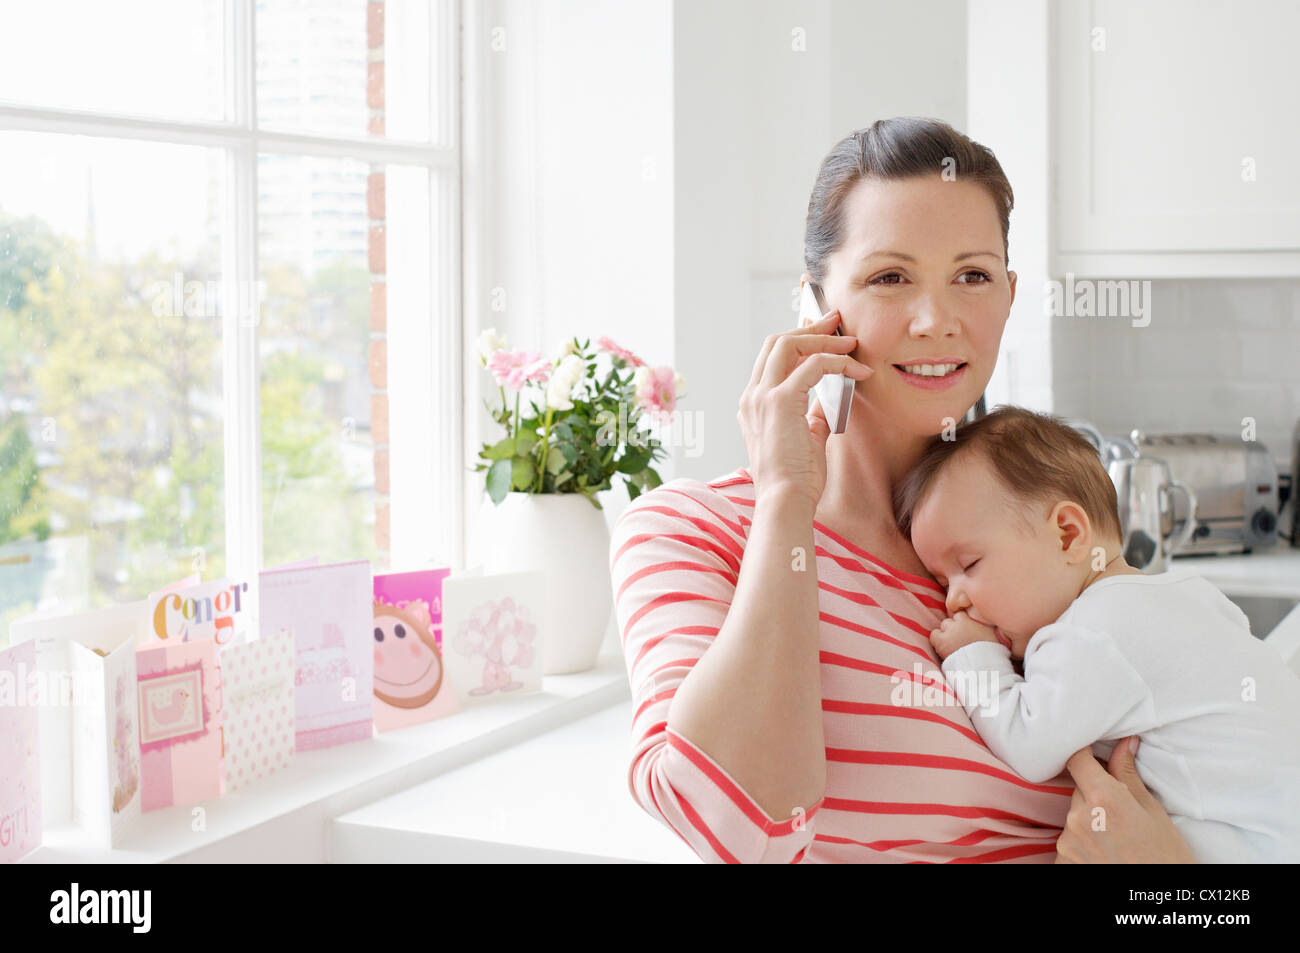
[{"x": 789, "y": 706}]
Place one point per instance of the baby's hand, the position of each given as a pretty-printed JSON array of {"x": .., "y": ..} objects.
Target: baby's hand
[{"x": 959, "y": 630}]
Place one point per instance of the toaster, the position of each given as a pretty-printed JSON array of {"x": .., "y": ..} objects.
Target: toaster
[{"x": 1236, "y": 486}]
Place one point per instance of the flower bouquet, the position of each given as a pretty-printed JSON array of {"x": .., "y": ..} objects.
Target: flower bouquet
[{"x": 580, "y": 424}]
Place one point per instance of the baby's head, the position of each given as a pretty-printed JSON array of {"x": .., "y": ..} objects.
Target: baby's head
[{"x": 1015, "y": 516}]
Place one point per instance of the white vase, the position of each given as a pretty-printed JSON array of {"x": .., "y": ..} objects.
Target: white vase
[{"x": 564, "y": 535}]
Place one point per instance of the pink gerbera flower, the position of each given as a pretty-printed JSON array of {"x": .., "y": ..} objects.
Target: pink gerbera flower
[
  {"x": 622, "y": 352},
  {"x": 657, "y": 390},
  {"x": 514, "y": 369}
]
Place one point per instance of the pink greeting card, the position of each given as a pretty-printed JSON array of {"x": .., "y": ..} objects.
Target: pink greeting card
[
  {"x": 493, "y": 633},
  {"x": 20, "y": 770},
  {"x": 257, "y": 694},
  {"x": 423, "y": 585},
  {"x": 180, "y": 723},
  {"x": 328, "y": 610},
  {"x": 410, "y": 686}
]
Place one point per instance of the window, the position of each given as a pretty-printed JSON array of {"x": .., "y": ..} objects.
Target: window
[{"x": 229, "y": 291}]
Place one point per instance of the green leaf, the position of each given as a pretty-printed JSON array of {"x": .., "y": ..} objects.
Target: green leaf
[
  {"x": 633, "y": 491},
  {"x": 650, "y": 478},
  {"x": 522, "y": 473},
  {"x": 635, "y": 460},
  {"x": 555, "y": 462},
  {"x": 498, "y": 480},
  {"x": 525, "y": 442},
  {"x": 500, "y": 451},
  {"x": 562, "y": 477}
]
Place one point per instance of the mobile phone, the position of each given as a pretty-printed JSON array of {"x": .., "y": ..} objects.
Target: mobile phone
[{"x": 834, "y": 391}]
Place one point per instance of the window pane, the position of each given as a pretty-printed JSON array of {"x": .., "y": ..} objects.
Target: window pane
[
  {"x": 347, "y": 67},
  {"x": 318, "y": 477},
  {"x": 342, "y": 245},
  {"x": 158, "y": 58},
  {"x": 111, "y": 407}
]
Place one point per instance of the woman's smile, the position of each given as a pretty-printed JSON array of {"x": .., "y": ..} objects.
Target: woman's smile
[{"x": 937, "y": 376}]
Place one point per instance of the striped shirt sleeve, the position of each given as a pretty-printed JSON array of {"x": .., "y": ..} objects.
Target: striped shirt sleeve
[{"x": 675, "y": 557}]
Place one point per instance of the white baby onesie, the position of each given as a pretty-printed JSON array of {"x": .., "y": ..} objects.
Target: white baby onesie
[{"x": 1169, "y": 658}]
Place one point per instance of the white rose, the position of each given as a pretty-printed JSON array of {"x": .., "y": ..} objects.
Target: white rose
[
  {"x": 489, "y": 342},
  {"x": 564, "y": 380},
  {"x": 557, "y": 396},
  {"x": 565, "y": 350}
]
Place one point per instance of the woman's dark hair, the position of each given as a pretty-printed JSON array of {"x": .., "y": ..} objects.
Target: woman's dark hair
[{"x": 900, "y": 148}]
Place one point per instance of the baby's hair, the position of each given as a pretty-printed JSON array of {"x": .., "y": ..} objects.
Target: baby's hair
[{"x": 1037, "y": 457}]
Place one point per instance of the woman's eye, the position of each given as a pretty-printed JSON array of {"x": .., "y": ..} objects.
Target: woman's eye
[{"x": 982, "y": 276}]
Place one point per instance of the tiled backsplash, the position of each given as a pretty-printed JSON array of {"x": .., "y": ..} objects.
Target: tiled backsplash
[{"x": 1215, "y": 351}]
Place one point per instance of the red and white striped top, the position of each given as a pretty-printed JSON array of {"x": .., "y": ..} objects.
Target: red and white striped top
[{"x": 905, "y": 782}]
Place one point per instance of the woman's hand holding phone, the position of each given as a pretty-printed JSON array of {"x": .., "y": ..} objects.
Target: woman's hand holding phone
[{"x": 785, "y": 440}]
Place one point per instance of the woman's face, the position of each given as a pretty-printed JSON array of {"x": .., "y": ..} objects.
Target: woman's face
[{"x": 921, "y": 280}]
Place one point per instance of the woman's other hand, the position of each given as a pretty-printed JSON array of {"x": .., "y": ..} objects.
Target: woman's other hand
[
  {"x": 785, "y": 441},
  {"x": 1113, "y": 818}
]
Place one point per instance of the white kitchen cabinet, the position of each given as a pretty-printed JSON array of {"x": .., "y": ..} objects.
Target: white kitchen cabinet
[{"x": 1176, "y": 132}]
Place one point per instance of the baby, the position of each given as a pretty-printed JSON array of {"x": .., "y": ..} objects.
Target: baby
[{"x": 1018, "y": 519}]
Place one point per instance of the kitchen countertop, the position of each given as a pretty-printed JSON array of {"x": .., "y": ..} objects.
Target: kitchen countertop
[{"x": 1266, "y": 572}]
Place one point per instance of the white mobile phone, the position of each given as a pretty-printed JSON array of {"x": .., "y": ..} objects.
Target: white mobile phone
[{"x": 834, "y": 391}]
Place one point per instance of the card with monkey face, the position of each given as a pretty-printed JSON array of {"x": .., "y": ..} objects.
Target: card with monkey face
[{"x": 410, "y": 682}]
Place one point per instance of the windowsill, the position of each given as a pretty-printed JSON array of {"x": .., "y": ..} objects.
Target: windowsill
[
  {"x": 284, "y": 818},
  {"x": 561, "y": 797}
]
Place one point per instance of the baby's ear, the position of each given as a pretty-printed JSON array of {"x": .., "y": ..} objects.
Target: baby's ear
[{"x": 1073, "y": 529}]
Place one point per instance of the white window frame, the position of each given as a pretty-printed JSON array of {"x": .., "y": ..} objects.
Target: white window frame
[{"x": 426, "y": 525}]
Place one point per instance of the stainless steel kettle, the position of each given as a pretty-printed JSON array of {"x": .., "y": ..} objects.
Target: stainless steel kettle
[{"x": 1145, "y": 493}]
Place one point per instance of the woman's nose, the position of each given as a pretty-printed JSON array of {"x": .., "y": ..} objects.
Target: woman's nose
[{"x": 932, "y": 317}]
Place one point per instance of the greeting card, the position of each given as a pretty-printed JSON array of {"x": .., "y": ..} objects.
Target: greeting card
[
  {"x": 328, "y": 610},
  {"x": 90, "y": 748},
  {"x": 179, "y": 692},
  {"x": 408, "y": 651},
  {"x": 216, "y": 610},
  {"x": 20, "y": 773},
  {"x": 492, "y": 630},
  {"x": 257, "y": 694},
  {"x": 247, "y": 621}
]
